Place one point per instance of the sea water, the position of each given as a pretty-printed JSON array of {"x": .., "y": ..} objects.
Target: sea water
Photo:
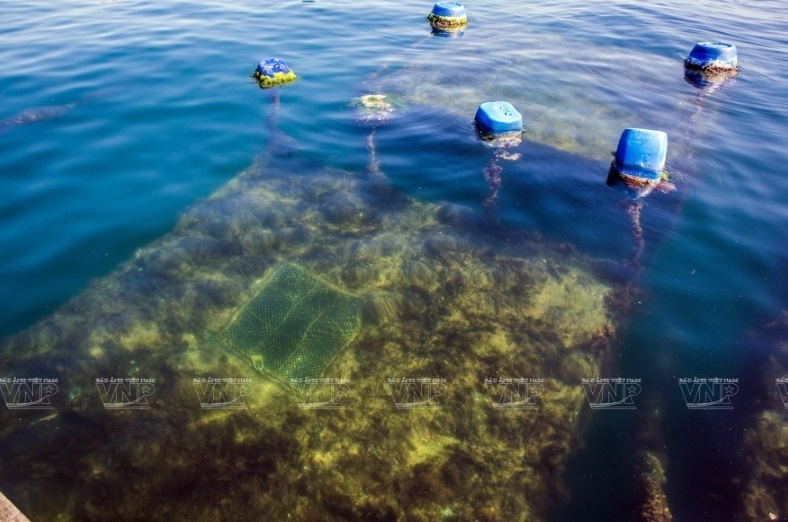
[{"x": 119, "y": 115}]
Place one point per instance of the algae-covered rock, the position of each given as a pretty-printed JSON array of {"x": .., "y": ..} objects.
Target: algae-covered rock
[
  {"x": 653, "y": 504},
  {"x": 765, "y": 493},
  {"x": 398, "y": 424}
]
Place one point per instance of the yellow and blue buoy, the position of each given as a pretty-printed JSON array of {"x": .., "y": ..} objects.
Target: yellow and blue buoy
[
  {"x": 273, "y": 72},
  {"x": 448, "y": 15}
]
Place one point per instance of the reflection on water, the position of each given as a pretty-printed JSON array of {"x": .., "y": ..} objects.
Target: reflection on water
[{"x": 413, "y": 419}]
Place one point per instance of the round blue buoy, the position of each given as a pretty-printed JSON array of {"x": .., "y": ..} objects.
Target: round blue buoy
[
  {"x": 641, "y": 153},
  {"x": 447, "y": 15},
  {"x": 449, "y": 9},
  {"x": 272, "y": 72},
  {"x": 497, "y": 118},
  {"x": 712, "y": 56}
]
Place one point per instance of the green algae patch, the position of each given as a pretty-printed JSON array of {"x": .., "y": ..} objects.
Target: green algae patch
[
  {"x": 278, "y": 78},
  {"x": 389, "y": 313},
  {"x": 295, "y": 325},
  {"x": 376, "y": 109}
]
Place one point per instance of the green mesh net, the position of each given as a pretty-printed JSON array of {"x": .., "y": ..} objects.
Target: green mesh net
[{"x": 295, "y": 324}]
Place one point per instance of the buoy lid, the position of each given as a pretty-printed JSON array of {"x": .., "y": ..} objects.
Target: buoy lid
[
  {"x": 271, "y": 66},
  {"x": 449, "y": 9},
  {"x": 712, "y": 55},
  {"x": 641, "y": 153},
  {"x": 498, "y": 117}
]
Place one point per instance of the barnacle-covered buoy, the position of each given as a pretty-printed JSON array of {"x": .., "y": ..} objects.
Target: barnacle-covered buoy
[
  {"x": 447, "y": 15},
  {"x": 500, "y": 122},
  {"x": 712, "y": 56},
  {"x": 709, "y": 64},
  {"x": 641, "y": 153},
  {"x": 273, "y": 72}
]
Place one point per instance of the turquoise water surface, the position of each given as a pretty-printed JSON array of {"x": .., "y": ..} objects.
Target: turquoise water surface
[{"x": 117, "y": 116}]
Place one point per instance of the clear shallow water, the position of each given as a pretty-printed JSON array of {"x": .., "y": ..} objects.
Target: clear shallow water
[{"x": 153, "y": 109}]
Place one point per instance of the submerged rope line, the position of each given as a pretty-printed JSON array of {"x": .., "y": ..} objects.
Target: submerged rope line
[
  {"x": 385, "y": 65},
  {"x": 639, "y": 244}
]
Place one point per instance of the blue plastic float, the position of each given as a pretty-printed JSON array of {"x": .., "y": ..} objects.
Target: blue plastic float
[
  {"x": 714, "y": 56},
  {"x": 498, "y": 118},
  {"x": 641, "y": 153},
  {"x": 447, "y": 15},
  {"x": 273, "y": 72}
]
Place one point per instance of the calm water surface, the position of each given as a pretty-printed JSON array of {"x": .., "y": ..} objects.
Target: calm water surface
[{"x": 116, "y": 116}]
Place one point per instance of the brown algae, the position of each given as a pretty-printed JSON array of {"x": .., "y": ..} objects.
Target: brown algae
[{"x": 410, "y": 428}]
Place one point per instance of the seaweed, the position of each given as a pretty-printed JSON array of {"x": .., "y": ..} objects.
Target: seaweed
[{"x": 437, "y": 300}]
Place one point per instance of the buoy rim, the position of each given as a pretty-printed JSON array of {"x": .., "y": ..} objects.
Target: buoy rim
[{"x": 716, "y": 44}]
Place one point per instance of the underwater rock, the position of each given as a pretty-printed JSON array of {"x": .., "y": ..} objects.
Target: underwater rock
[
  {"x": 424, "y": 273},
  {"x": 30, "y": 116},
  {"x": 765, "y": 491},
  {"x": 652, "y": 500},
  {"x": 357, "y": 274},
  {"x": 426, "y": 299},
  {"x": 382, "y": 246},
  {"x": 445, "y": 246},
  {"x": 383, "y": 309},
  {"x": 456, "y": 215},
  {"x": 259, "y": 241},
  {"x": 345, "y": 210}
]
